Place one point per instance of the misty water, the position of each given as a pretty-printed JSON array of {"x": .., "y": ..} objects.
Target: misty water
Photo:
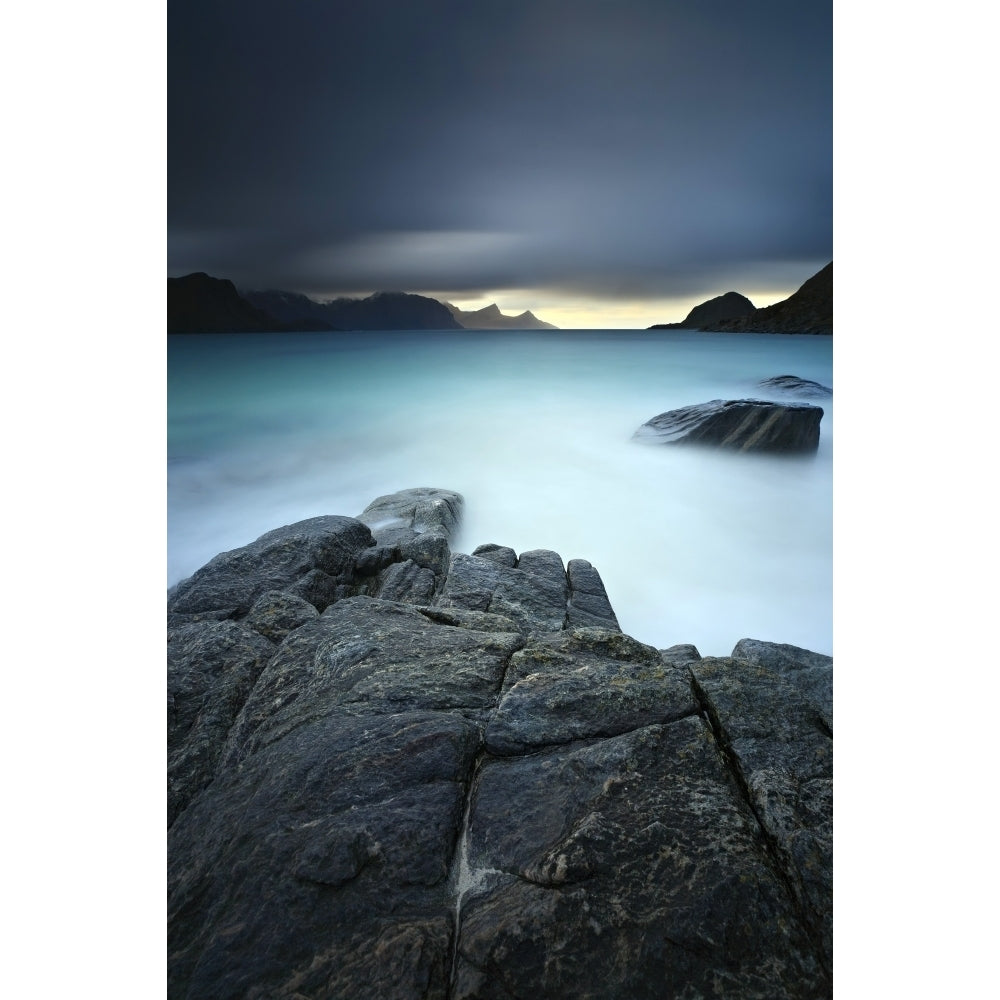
[{"x": 534, "y": 429}]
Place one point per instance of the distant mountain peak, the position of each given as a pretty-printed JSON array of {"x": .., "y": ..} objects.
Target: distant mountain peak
[{"x": 491, "y": 318}]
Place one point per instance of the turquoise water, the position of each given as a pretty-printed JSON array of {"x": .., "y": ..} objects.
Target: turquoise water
[{"x": 534, "y": 429}]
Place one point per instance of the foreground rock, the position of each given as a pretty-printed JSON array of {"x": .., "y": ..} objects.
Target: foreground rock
[
  {"x": 738, "y": 425},
  {"x": 312, "y": 560},
  {"x": 491, "y": 792}
]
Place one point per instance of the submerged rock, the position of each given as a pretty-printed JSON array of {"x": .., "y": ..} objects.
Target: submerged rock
[
  {"x": 738, "y": 425},
  {"x": 796, "y": 386},
  {"x": 492, "y": 793}
]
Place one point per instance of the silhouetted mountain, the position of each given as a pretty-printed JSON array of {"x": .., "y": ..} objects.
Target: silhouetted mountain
[
  {"x": 199, "y": 303},
  {"x": 809, "y": 310},
  {"x": 490, "y": 318},
  {"x": 728, "y": 306},
  {"x": 295, "y": 311},
  {"x": 381, "y": 311},
  {"x": 391, "y": 311}
]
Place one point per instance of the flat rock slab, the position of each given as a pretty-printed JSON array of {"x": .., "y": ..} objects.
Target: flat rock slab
[
  {"x": 624, "y": 868},
  {"x": 738, "y": 425},
  {"x": 319, "y": 866},
  {"x": 581, "y": 684},
  {"x": 377, "y": 656}
]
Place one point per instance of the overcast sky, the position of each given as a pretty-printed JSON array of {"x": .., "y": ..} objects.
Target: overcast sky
[{"x": 597, "y": 162}]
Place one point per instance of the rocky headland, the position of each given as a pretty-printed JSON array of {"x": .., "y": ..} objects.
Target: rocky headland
[
  {"x": 808, "y": 310},
  {"x": 731, "y": 305},
  {"x": 199, "y": 303},
  {"x": 396, "y": 771}
]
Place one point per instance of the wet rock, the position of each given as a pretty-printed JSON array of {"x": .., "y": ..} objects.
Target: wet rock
[
  {"x": 411, "y": 558},
  {"x": 275, "y": 614},
  {"x": 796, "y": 386},
  {"x": 405, "y": 581},
  {"x": 211, "y": 669},
  {"x": 535, "y": 594},
  {"x": 738, "y": 425},
  {"x": 471, "y": 583},
  {"x": 478, "y": 621},
  {"x": 581, "y": 684},
  {"x": 308, "y": 559},
  {"x": 319, "y": 866},
  {"x": 463, "y": 793},
  {"x": 379, "y": 656},
  {"x": 771, "y": 708},
  {"x": 422, "y": 511},
  {"x": 680, "y": 653},
  {"x": 627, "y": 869},
  {"x": 502, "y": 555},
  {"x": 540, "y": 594},
  {"x": 588, "y": 600}
]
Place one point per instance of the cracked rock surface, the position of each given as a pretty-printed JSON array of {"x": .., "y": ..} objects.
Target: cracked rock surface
[{"x": 401, "y": 772}]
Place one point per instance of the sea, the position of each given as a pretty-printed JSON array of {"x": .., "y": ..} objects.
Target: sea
[{"x": 535, "y": 430}]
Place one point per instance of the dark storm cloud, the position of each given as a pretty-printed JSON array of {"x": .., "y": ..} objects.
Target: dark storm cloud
[{"x": 618, "y": 147}]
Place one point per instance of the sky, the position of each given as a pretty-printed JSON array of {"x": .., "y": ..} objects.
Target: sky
[{"x": 604, "y": 163}]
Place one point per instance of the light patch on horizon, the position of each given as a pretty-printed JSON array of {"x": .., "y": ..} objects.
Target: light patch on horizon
[{"x": 599, "y": 314}]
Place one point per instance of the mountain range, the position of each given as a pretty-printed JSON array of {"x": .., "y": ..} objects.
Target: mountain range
[
  {"x": 199, "y": 303},
  {"x": 490, "y": 318},
  {"x": 807, "y": 310}
]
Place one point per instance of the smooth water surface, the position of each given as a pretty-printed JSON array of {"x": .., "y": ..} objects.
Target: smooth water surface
[{"x": 534, "y": 429}]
